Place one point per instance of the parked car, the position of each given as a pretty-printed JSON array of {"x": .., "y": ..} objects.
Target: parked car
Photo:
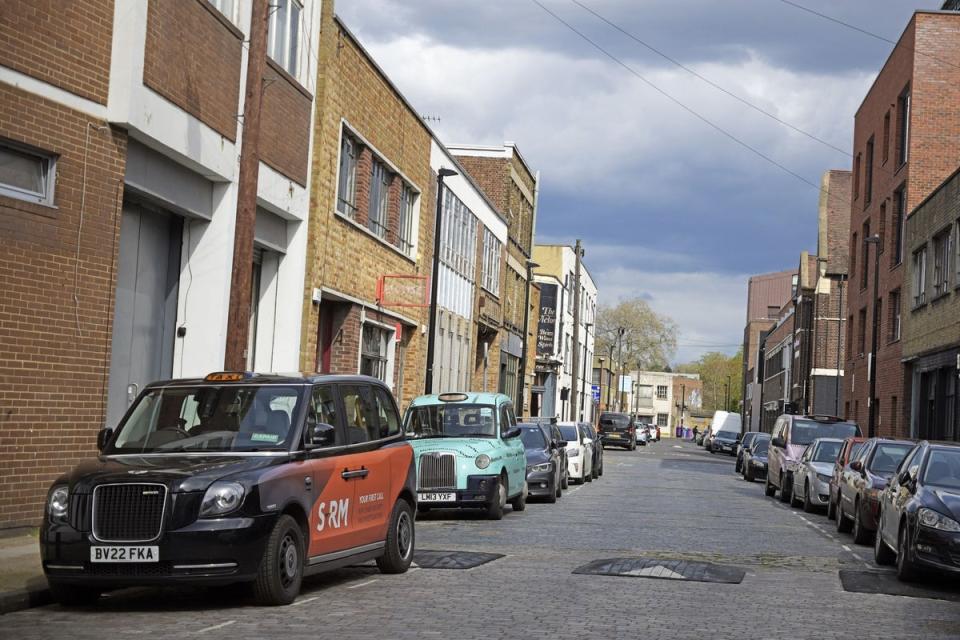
[
  {"x": 725, "y": 442},
  {"x": 789, "y": 439},
  {"x": 597, "y": 449},
  {"x": 811, "y": 480},
  {"x": 643, "y": 434},
  {"x": 589, "y": 437},
  {"x": 755, "y": 458},
  {"x": 858, "y": 503},
  {"x": 579, "y": 453},
  {"x": 617, "y": 429},
  {"x": 235, "y": 478},
  {"x": 701, "y": 436},
  {"x": 742, "y": 445},
  {"x": 544, "y": 474},
  {"x": 919, "y": 524},
  {"x": 469, "y": 453},
  {"x": 553, "y": 432},
  {"x": 849, "y": 450}
]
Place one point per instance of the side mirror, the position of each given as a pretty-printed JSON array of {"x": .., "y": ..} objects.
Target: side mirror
[
  {"x": 513, "y": 432},
  {"x": 857, "y": 466},
  {"x": 320, "y": 434},
  {"x": 559, "y": 444},
  {"x": 103, "y": 438},
  {"x": 778, "y": 442}
]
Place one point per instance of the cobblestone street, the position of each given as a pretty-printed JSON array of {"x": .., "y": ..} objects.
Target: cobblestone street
[{"x": 664, "y": 501}]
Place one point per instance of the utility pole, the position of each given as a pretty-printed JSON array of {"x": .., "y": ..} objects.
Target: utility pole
[
  {"x": 238, "y": 315},
  {"x": 726, "y": 395},
  {"x": 583, "y": 397},
  {"x": 620, "y": 332},
  {"x": 872, "y": 400},
  {"x": 435, "y": 280},
  {"x": 609, "y": 375},
  {"x": 521, "y": 383},
  {"x": 575, "y": 369}
]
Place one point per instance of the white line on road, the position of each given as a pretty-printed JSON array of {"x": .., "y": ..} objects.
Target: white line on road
[
  {"x": 217, "y": 626},
  {"x": 299, "y": 602},
  {"x": 363, "y": 584}
]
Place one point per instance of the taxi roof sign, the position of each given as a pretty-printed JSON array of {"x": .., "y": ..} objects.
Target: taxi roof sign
[
  {"x": 452, "y": 397},
  {"x": 227, "y": 376}
]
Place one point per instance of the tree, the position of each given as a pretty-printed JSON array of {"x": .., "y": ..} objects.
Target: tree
[
  {"x": 715, "y": 370},
  {"x": 649, "y": 338}
]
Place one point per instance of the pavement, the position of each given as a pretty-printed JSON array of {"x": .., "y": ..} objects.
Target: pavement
[
  {"x": 22, "y": 584},
  {"x": 668, "y": 502}
]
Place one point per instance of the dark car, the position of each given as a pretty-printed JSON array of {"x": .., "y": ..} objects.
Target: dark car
[
  {"x": 725, "y": 442},
  {"x": 617, "y": 430},
  {"x": 919, "y": 524},
  {"x": 848, "y": 451},
  {"x": 862, "y": 480},
  {"x": 755, "y": 458},
  {"x": 236, "y": 478},
  {"x": 597, "y": 449},
  {"x": 742, "y": 445},
  {"x": 552, "y": 431},
  {"x": 544, "y": 475}
]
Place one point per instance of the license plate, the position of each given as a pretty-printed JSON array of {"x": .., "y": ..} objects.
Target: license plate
[
  {"x": 437, "y": 497},
  {"x": 614, "y": 435},
  {"x": 124, "y": 554}
]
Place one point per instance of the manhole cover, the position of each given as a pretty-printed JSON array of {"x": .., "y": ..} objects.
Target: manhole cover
[
  {"x": 664, "y": 569},
  {"x": 888, "y": 584},
  {"x": 453, "y": 559}
]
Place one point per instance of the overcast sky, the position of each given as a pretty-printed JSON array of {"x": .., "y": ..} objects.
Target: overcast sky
[{"x": 667, "y": 207}]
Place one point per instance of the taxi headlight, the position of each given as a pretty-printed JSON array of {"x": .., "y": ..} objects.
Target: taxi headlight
[
  {"x": 58, "y": 502},
  {"x": 221, "y": 498},
  {"x": 936, "y": 520},
  {"x": 482, "y": 461}
]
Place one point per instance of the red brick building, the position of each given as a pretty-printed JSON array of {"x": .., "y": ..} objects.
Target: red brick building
[
  {"x": 119, "y": 147},
  {"x": 906, "y": 142}
]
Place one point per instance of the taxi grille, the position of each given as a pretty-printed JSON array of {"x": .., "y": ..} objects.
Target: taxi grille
[
  {"x": 128, "y": 512},
  {"x": 438, "y": 471}
]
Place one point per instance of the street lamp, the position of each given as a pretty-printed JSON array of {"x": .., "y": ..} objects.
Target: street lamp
[
  {"x": 609, "y": 375},
  {"x": 432, "y": 335},
  {"x": 620, "y": 332},
  {"x": 531, "y": 265},
  {"x": 872, "y": 400},
  {"x": 583, "y": 378},
  {"x": 602, "y": 360}
]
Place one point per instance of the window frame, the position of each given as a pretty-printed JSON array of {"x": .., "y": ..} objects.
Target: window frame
[
  {"x": 492, "y": 252},
  {"x": 896, "y": 317},
  {"x": 387, "y": 340},
  {"x": 289, "y": 59},
  {"x": 48, "y": 163},
  {"x": 347, "y": 166},
  {"x": 919, "y": 276},
  {"x": 868, "y": 174},
  {"x": 899, "y": 213},
  {"x": 903, "y": 127},
  {"x": 942, "y": 250},
  {"x": 378, "y": 204}
]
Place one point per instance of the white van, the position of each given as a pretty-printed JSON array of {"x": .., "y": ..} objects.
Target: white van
[{"x": 725, "y": 421}]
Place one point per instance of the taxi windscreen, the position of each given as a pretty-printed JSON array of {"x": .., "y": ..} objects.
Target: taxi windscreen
[
  {"x": 210, "y": 419},
  {"x": 451, "y": 421}
]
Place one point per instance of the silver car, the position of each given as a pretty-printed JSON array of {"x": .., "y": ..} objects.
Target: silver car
[{"x": 811, "y": 480}]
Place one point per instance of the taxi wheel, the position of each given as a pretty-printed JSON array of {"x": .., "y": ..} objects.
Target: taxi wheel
[
  {"x": 401, "y": 538},
  {"x": 71, "y": 595},
  {"x": 520, "y": 502},
  {"x": 566, "y": 482},
  {"x": 495, "y": 510},
  {"x": 281, "y": 568}
]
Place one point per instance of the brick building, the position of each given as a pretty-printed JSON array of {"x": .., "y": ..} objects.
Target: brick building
[
  {"x": 906, "y": 142},
  {"x": 777, "y": 350},
  {"x": 819, "y": 301},
  {"x": 512, "y": 186},
  {"x": 372, "y": 216},
  {"x": 766, "y": 295},
  {"x": 931, "y": 316},
  {"x": 118, "y": 198}
]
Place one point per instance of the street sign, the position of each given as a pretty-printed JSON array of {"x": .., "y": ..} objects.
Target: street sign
[{"x": 595, "y": 389}]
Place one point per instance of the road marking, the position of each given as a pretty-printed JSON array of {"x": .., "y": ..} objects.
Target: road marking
[
  {"x": 299, "y": 602},
  {"x": 217, "y": 626},
  {"x": 363, "y": 584},
  {"x": 574, "y": 490}
]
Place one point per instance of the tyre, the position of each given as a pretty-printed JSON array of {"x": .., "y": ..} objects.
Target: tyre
[
  {"x": 588, "y": 477},
  {"x": 600, "y": 473},
  {"x": 768, "y": 488},
  {"x": 594, "y": 474},
  {"x": 495, "y": 509},
  {"x": 794, "y": 500},
  {"x": 401, "y": 539},
  {"x": 906, "y": 569},
  {"x": 71, "y": 595},
  {"x": 807, "y": 505},
  {"x": 843, "y": 525},
  {"x": 556, "y": 493},
  {"x": 860, "y": 533},
  {"x": 736, "y": 467},
  {"x": 566, "y": 481},
  {"x": 785, "y": 488},
  {"x": 557, "y": 485},
  {"x": 520, "y": 502},
  {"x": 882, "y": 554},
  {"x": 281, "y": 567},
  {"x": 747, "y": 474},
  {"x": 831, "y": 508}
]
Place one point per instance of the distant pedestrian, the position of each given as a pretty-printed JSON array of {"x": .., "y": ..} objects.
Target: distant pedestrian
[{"x": 696, "y": 432}]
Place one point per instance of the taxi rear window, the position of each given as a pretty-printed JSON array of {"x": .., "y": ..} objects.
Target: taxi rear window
[{"x": 211, "y": 418}]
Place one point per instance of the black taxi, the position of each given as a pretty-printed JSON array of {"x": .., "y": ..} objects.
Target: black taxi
[{"x": 236, "y": 478}]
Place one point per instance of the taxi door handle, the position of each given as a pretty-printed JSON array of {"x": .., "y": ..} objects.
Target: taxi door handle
[{"x": 356, "y": 473}]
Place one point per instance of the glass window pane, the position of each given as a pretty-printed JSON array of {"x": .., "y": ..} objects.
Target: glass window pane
[
  {"x": 21, "y": 170},
  {"x": 278, "y": 27},
  {"x": 359, "y": 417},
  {"x": 294, "y": 38}
]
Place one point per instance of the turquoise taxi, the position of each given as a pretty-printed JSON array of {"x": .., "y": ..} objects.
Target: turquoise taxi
[{"x": 468, "y": 452}]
